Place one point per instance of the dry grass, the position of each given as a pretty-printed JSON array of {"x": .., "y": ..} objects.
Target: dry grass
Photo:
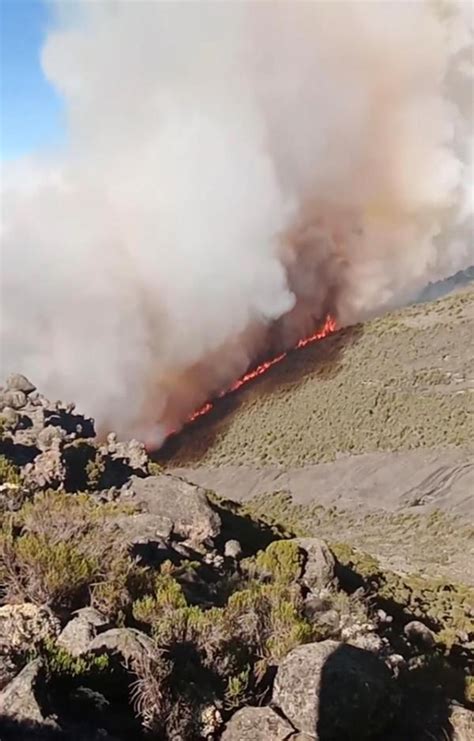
[{"x": 404, "y": 541}]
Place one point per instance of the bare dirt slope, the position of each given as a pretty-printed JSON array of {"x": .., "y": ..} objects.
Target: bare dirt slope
[{"x": 370, "y": 431}]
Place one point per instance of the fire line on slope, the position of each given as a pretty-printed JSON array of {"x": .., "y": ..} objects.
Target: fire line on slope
[{"x": 328, "y": 328}]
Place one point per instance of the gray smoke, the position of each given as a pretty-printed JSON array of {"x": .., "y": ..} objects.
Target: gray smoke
[{"x": 233, "y": 172}]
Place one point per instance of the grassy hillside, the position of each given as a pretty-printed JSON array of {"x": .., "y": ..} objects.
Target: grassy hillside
[{"x": 399, "y": 382}]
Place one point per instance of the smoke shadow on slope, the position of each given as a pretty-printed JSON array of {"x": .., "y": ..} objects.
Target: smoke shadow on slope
[{"x": 322, "y": 358}]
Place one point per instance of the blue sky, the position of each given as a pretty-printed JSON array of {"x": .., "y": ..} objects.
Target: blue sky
[{"x": 31, "y": 112}]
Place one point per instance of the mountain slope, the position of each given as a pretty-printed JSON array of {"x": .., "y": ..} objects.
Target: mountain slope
[
  {"x": 400, "y": 382},
  {"x": 364, "y": 437}
]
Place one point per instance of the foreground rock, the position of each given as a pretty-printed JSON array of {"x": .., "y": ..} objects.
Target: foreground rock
[
  {"x": 257, "y": 724},
  {"x": 18, "y": 701},
  {"x": 332, "y": 690},
  {"x": 174, "y": 508}
]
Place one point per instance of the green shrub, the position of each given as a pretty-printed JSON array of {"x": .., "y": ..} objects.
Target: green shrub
[
  {"x": 58, "y": 548},
  {"x": 282, "y": 561},
  {"x": 60, "y": 663}
]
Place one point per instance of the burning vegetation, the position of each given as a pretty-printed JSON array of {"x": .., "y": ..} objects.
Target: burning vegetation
[{"x": 328, "y": 327}]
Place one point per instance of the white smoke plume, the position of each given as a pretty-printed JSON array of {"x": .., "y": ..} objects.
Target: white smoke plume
[{"x": 233, "y": 171}]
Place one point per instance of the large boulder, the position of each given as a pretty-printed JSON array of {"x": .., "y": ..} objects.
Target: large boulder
[
  {"x": 331, "y": 690},
  {"x": 257, "y": 724},
  {"x": 319, "y": 563},
  {"x": 174, "y": 508},
  {"x": 130, "y": 644}
]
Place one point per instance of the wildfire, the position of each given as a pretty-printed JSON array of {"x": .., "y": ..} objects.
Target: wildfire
[{"x": 327, "y": 329}]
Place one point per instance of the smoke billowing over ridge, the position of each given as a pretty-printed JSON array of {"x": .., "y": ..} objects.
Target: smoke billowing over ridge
[{"x": 234, "y": 172}]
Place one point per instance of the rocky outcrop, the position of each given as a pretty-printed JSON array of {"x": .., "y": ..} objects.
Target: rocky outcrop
[
  {"x": 55, "y": 446},
  {"x": 419, "y": 635}
]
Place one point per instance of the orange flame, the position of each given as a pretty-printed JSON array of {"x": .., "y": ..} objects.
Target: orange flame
[{"x": 328, "y": 328}]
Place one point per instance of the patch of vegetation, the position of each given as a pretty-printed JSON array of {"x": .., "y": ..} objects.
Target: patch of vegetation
[
  {"x": 416, "y": 537},
  {"x": 58, "y": 548},
  {"x": 60, "y": 664},
  {"x": 231, "y": 648},
  {"x": 9, "y": 473}
]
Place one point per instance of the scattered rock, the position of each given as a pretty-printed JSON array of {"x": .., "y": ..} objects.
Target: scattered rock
[
  {"x": 328, "y": 689},
  {"x": 182, "y": 508},
  {"x": 462, "y": 721},
  {"x": 129, "y": 643},
  {"x": 132, "y": 451},
  {"x": 318, "y": 569},
  {"x": 418, "y": 634},
  {"x": 368, "y": 641},
  {"x": 329, "y": 619},
  {"x": 18, "y": 700},
  {"x": 10, "y": 418},
  {"x": 214, "y": 559},
  {"x": 314, "y": 606},
  {"x": 257, "y": 724},
  {"x": 12, "y": 399},
  {"x": 47, "y": 470},
  {"x": 232, "y": 549},
  {"x": 18, "y": 382},
  {"x": 78, "y": 633},
  {"x": 395, "y": 662}
]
